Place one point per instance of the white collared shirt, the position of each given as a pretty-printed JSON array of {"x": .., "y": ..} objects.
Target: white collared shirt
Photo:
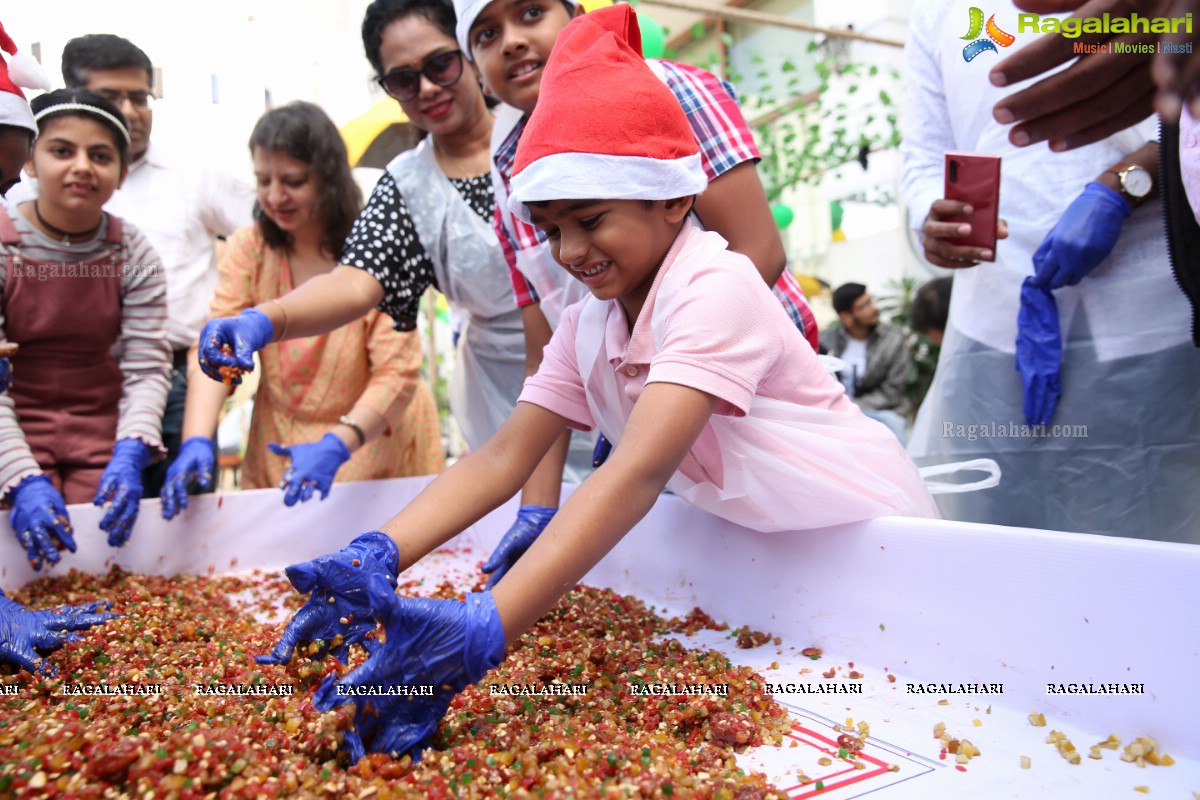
[{"x": 182, "y": 208}]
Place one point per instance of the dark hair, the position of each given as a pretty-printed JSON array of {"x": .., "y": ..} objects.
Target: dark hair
[
  {"x": 931, "y": 306},
  {"x": 83, "y": 97},
  {"x": 101, "y": 51},
  {"x": 306, "y": 133},
  {"x": 845, "y": 296},
  {"x": 382, "y": 13}
]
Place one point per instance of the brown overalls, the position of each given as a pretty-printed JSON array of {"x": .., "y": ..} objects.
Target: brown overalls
[{"x": 68, "y": 386}]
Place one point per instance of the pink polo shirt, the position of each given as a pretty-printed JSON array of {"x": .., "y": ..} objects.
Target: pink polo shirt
[
  {"x": 726, "y": 336},
  {"x": 1189, "y": 158}
]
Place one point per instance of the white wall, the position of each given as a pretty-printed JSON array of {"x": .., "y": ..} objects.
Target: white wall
[{"x": 300, "y": 49}]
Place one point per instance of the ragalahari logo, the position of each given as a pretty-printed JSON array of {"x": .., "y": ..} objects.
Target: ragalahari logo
[{"x": 995, "y": 36}]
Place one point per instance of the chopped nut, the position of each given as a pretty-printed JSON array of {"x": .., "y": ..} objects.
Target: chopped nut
[{"x": 1025, "y": 762}]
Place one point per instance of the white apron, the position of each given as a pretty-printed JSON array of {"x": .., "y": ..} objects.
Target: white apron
[
  {"x": 555, "y": 289},
  {"x": 470, "y": 272},
  {"x": 784, "y": 466}
]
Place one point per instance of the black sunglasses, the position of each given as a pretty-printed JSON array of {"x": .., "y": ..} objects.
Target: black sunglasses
[{"x": 404, "y": 83}]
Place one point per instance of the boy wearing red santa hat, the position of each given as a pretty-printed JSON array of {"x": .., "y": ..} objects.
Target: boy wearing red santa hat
[
  {"x": 509, "y": 42},
  {"x": 695, "y": 371}
]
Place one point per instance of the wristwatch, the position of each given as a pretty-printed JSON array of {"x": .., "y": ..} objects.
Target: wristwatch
[
  {"x": 1135, "y": 182},
  {"x": 354, "y": 426}
]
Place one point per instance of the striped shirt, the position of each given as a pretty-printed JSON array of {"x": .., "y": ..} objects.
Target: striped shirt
[
  {"x": 725, "y": 142},
  {"x": 142, "y": 352}
]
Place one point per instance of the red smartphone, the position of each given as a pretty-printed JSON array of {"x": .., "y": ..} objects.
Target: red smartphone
[{"x": 975, "y": 179}]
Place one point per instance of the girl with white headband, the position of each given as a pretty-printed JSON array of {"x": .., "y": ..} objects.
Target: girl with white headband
[{"x": 84, "y": 296}]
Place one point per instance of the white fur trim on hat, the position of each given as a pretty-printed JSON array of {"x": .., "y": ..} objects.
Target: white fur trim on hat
[
  {"x": 466, "y": 12},
  {"x": 14, "y": 110},
  {"x": 592, "y": 176}
]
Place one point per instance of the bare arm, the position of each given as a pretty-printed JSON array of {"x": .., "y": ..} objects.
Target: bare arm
[
  {"x": 323, "y": 303},
  {"x": 544, "y": 486},
  {"x": 664, "y": 425},
  {"x": 735, "y": 206},
  {"x": 205, "y": 400},
  {"x": 477, "y": 484}
]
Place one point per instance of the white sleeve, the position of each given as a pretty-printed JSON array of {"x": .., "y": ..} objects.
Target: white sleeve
[
  {"x": 926, "y": 132},
  {"x": 227, "y": 203}
]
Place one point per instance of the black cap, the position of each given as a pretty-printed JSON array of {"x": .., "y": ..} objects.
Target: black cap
[{"x": 846, "y": 295}]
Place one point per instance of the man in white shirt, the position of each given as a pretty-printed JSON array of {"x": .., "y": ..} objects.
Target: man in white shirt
[
  {"x": 183, "y": 208},
  {"x": 876, "y": 356}
]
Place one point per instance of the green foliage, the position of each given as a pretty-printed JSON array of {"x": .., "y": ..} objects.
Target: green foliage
[{"x": 812, "y": 113}]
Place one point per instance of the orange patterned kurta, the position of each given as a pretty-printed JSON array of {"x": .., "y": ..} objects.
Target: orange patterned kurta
[{"x": 306, "y": 384}]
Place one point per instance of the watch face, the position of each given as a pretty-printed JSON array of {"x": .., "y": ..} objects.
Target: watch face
[{"x": 1137, "y": 182}]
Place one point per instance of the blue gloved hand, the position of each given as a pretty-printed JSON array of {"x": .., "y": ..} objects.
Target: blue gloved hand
[
  {"x": 244, "y": 335},
  {"x": 194, "y": 463},
  {"x": 440, "y": 644},
  {"x": 121, "y": 483},
  {"x": 24, "y": 632},
  {"x": 1039, "y": 352},
  {"x": 5, "y": 374},
  {"x": 1081, "y": 239},
  {"x": 339, "y": 613},
  {"x": 313, "y": 467},
  {"x": 531, "y": 521},
  {"x": 601, "y": 450},
  {"x": 39, "y": 519}
]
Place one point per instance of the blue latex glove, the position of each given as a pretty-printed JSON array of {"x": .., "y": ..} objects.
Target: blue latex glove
[
  {"x": 313, "y": 467},
  {"x": 337, "y": 583},
  {"x": 1082, "y": 238},
  {"x": 39, "y": 519},
  {"x": 121, "y": 483},
  {"x": 246, "y": 334},
  {"x": 601, "y": 450},
  {"x": 194, "y": 463},
  {"x": 1039, "y": 352},
  {"x": 531, "y": 521},
  {"x": 5, "y": 374},
  {"x": 442, "y": 644},
  {"x": 24, "y": 632}
]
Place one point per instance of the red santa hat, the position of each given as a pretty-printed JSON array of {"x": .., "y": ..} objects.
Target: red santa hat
[
  {"x": 605, "y": 127},
  {"x": 18, "y": 71}
]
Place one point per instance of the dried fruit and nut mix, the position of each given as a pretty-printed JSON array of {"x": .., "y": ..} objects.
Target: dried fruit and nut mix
[{"x": 182, "y": 631}]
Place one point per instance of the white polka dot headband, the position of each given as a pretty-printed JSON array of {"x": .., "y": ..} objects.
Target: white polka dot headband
[{"x": 99, "y": 112}]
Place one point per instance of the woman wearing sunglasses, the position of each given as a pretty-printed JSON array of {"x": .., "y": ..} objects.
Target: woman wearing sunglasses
[{"x": 428, "y": 222}]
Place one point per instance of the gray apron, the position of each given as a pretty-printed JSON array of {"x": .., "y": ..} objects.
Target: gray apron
[{"x": 470, "y": 270}]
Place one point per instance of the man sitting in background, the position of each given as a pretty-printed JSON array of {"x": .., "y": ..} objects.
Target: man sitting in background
[{"x": 876, "y": 356}]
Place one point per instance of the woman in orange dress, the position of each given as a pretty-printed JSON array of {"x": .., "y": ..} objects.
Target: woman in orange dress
[{"x": 351, "y": 403}]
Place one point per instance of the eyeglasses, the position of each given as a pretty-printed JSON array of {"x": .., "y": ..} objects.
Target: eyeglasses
[
  {"x": 139, "y": 100},
  {"x": 404, "y": 83}
]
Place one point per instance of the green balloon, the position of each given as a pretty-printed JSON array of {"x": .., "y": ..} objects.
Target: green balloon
[
  {"x": 835, "y": 213},
  {"x": 783, "y": 215},
  {"x": 654, "y": 38}
]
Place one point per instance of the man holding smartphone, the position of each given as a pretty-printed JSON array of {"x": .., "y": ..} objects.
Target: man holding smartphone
[{"x": 1072, "y": 350}]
